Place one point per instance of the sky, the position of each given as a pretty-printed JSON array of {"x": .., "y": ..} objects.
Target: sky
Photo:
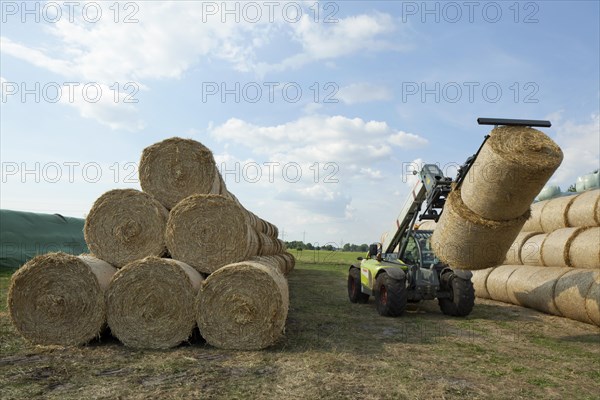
[{"x": 316, "y": 112}]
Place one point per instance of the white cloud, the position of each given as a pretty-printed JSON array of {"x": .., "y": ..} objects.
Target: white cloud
[
  {"x": 338, "y": 157},
  {"x": 326, "y": 42},
  {"x": 171, "y": 37},
  {"x": 319, "y": 199},
  {"x": 580, "y": 142},
  {"x": 349, "y": 141},
  {"x": 105, "y": 105},
  {"x": 363, "y": 93},
  {"x": 372, "y": 174},
  {"x": 408, "y": 140}
]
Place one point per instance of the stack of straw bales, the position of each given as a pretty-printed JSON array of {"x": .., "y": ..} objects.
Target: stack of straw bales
[
  {"x": 554, "y": 263},
  {"x": 181, "y": 253},
  {"x": 482, "y": 218}
]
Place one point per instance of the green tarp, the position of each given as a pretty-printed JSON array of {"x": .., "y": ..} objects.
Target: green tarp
[{"x": 23, "y": 235}]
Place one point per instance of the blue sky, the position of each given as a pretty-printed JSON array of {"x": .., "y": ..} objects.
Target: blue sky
[{"x": 407, "y": 80}]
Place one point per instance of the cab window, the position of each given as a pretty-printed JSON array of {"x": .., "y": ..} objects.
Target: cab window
[{"x": 411, "y": 254}]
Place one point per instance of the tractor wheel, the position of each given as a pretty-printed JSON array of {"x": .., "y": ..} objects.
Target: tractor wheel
[
  {"x": 462, "y": 297},
  {"x": 354, "y": 292},
  {"x": 390, "y": 295}
]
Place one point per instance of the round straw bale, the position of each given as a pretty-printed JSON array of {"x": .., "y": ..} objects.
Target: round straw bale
[
  {"x": 151, "y": 303},
  {"x": 592, "y": 301},
  {"x": 233, "y": 314},
  {"x": 253, "y": 219},
  {"x": 465, "y": 240},
  {"x": 479, "y": 280},
  {"x": 290, "y": 261},
  {"x": 584, "y": 251},
  {"x": 274, "y": 261},
  {"x": 176, "y": 168},
  {"x": 534, "y": 223},
  {"x": 274, "y": 232},
  {"x": 531, "y": 250},
  {"x": 219, "y": 186},
  {"x": 554, "y": 214},
  {"x": 571, "y": 291},
  {"x": 427, "y": 225},
  {"x": 536, "y": 290},
  {"x": 512, "y": 167},
  {"x": 208, "y": 231},
  {"x": 585, "y": 209},
  {"x": 282, "y": 246},
  {"x": 268, "y": 246},
  {"x": 513, "y": 255},
  {"x": 58, "y": 298},
  {"x": 125, "y": 225},
  {"x": 497, "y": 280},
  {"x": 518, "y": 284},
  {"x": 555, "y": 248}
]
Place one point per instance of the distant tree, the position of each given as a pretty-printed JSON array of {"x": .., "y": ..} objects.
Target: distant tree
[
  {"x": 318, "y": 248},
  {"x": 572, "y": 188},
  {"x": 346, "y": 247},
  {"x": 364, "y": 247},
  {"x": 309, "y": 246}
]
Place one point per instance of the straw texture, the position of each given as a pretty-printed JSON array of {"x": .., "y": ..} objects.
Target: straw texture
[{"x": 58, "y": 298}]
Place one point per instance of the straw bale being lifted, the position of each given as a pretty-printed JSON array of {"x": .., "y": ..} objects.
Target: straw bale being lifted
[
  {"x": 58, "y": 298},
  {"x": 176, "y": 168},
  {"x": 125, "y": 225},
  {"x": 570, "y": 293},
  {"x": 512, "y": 167},
  {"x": 585, "y": 209},
  {"x": 209, "y": 231},
  {"x": 554, "y": 215},
  {"x": 513, "y": 255},
  {"x": 234, "y": 314},
  {"x": 151, "y": 303},
  {"x": 427, "y": 225},
  {"x": 465, "y": 240},
  {"x": 534, "y": 223}
]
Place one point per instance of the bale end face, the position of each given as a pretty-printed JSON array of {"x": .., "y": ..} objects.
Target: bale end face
[
  {"x": 151, "y": 303},
  {"x": 176, "y": 168},
  {"x": 125, "y": 225},
  {"x": 58, "y": 299},
  {"x": 208, "y": 232},
  {"x": 233, "y": 314},
  {"x": 510, "y": 170}
]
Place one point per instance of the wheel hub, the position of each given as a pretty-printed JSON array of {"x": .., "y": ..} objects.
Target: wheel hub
[{"x": 383, "y": 295}]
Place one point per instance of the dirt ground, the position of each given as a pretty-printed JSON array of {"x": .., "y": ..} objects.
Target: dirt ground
[{"x": 332, "y": 349}]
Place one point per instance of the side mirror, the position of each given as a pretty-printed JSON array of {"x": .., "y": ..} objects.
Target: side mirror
[{"x": 359, "y": 258}]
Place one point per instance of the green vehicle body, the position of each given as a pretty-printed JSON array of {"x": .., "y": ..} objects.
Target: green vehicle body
[
  {"x": 417, "y": 264},
  {"x": 414, "y": 274}
]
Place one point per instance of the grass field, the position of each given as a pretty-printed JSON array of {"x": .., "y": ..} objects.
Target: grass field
[{"x": 332, "y": 349}]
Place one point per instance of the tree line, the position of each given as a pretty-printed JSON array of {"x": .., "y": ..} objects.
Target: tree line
[{"x": 300, "y": 245}]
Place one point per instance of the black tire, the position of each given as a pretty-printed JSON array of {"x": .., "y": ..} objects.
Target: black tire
[
  {"x": 462, "y": 297},
  {"x": 390, "y": 295},
  {"x": 354, "y": 292}
]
